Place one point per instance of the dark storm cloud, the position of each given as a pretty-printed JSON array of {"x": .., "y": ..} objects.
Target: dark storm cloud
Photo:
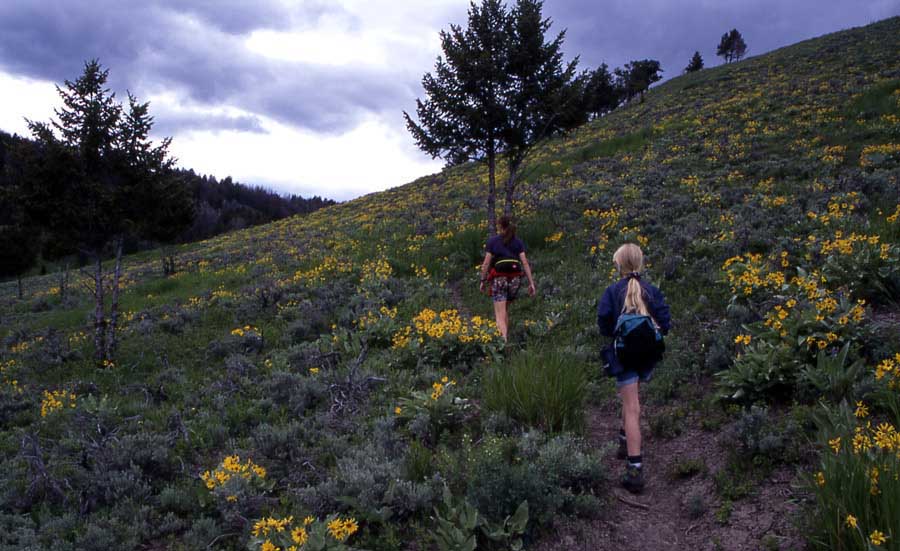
[
  {"x": 618, "y": 31},
  {"x": 169, "y": 45}
]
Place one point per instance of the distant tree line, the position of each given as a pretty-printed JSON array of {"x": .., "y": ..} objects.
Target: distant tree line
[
  {"x": 220, "y": 206},
  {"x": 91, "y": 181},
  {"x": 225, "y": 205}
]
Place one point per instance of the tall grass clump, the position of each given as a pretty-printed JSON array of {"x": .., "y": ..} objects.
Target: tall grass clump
[{"x": 541, "y": 388}]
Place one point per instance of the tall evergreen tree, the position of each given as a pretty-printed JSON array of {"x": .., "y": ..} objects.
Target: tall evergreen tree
[
  {"x": 497, "y": 90},
  {"x": 100, "y": 181},
  {"x": 164, "y": 199},
  {"x": 695, "y": 64},
  {"x": 601, "y": 95}
]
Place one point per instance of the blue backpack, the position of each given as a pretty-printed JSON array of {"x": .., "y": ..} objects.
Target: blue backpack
[{"x": 637, "y": 342}]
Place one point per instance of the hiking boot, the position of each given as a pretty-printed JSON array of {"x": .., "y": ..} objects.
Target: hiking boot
[{"x": 633, "y": 480}]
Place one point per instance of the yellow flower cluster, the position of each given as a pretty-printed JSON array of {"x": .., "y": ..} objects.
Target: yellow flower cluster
[
  {"x": 893, "y": 218},
  {"x": 262, "y": 527},
  {"x": 886, "y": 150},
  {"x": 274, "y": 526},
  {"x": 5, "y": 377},
  {"x": 241, "y": 331},
  {"x": 834, "y": 154},
  {"x": 342, "y": 529},
  {"x": 748, "y": 273},
  {"x": 421, "y": 271},
  {"x": 609, "y": 221},
  {"x": 56, "y": 400},
  {"x": 231, "y": 466},
  {"x": 776, "y": 201},
  {"x": 370, "y": 318},
  {"x": 330, "y": 265},
  {"x": 890, "y": 368},
  {"x": 554, "y": 238},
  {"x": 401, "y": 338},
  {"x": 378, "y": 269},
  {"x": 221, "y": 292},
  {"x": 429, "y": 323},
  {"x": 844, "y": 245},
  {"x": 439, "y": 387},
  {"x": 742, "y": 339},
  {"x": 25, "y": 345}
]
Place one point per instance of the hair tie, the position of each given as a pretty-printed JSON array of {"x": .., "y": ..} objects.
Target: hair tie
[{"x": 635, "y": 275}]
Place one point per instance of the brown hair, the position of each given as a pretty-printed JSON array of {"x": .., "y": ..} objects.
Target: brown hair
[
  {"x": 629, "y": 260},
  {"x": 507, "y": 228}
]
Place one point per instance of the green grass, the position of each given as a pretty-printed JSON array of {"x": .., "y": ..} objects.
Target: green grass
[{"x": 542, "y": 388}]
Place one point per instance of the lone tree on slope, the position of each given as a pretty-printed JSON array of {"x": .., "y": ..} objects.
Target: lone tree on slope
[
  {"x": 97, "y": 183},
  {"x": 695, "y": 64},
  {"x": 732, "y": 46},
  {"x": 497, "y": 91}
]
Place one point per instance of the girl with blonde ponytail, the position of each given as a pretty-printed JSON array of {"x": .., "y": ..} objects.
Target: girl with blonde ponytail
[{"x": 630, "y": 295}]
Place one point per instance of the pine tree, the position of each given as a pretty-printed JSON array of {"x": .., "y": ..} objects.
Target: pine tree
[
  {"x": 97, "y": 183},
  {"x": 601, "y": 95},
  {"x": 695, "y": 64},
  {"x": 497, "y": 90}
]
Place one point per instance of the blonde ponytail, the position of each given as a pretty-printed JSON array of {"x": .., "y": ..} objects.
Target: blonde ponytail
[{"x": 629, "y": 260}]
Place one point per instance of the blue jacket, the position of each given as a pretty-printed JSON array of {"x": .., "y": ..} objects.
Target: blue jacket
[{"x": 610, "y": 306}]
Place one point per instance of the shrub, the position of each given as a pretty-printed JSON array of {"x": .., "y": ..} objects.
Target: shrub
[
  {"x": 555, "y": 476},
  {"x": 544, "y": 389}
]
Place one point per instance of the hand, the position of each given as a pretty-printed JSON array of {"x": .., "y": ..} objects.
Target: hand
[
  {"x": 481, "y": 287},
  {"x": 531, "y": 289}
]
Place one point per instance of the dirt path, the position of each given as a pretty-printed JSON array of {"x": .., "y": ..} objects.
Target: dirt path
[{"x": 674, "y": 512}]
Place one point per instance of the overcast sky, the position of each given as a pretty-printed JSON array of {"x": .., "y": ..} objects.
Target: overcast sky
[{"x": 307, "y": 96}]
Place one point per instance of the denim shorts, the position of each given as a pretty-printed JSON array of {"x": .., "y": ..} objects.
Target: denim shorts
[{"x": 628, "y": 377}]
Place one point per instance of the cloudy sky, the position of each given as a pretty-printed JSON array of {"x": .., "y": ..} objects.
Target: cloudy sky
[{"x": 307, "y": 96}]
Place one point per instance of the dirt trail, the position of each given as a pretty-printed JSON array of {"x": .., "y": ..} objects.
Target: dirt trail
[{"x": 659, "y": 519}]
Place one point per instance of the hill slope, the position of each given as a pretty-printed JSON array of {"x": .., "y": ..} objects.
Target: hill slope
[{"x": 312, "y": 345}]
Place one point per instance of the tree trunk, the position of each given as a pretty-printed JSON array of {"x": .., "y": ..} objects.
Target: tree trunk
[
  {"x": 64, "y": 283},
  {"x": 99, "y": 322},
  {"x": 510, "y": 188},
  {"x": 492, "y": 195},
  {"x": 114, "y": 307}
]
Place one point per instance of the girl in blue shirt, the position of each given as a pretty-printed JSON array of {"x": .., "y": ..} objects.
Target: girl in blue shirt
[{"x": 630, "y": 295}]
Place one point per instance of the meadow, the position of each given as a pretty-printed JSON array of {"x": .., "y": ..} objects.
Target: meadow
[{"x": 335, "y": 380}]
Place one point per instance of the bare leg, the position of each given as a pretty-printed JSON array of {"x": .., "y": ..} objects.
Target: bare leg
[
  {"x": 631, "y": 417},
  {"x": 501, "y": 315}
]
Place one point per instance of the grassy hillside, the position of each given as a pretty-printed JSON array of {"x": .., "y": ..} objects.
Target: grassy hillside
[{"x": 345, "y": 356}]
